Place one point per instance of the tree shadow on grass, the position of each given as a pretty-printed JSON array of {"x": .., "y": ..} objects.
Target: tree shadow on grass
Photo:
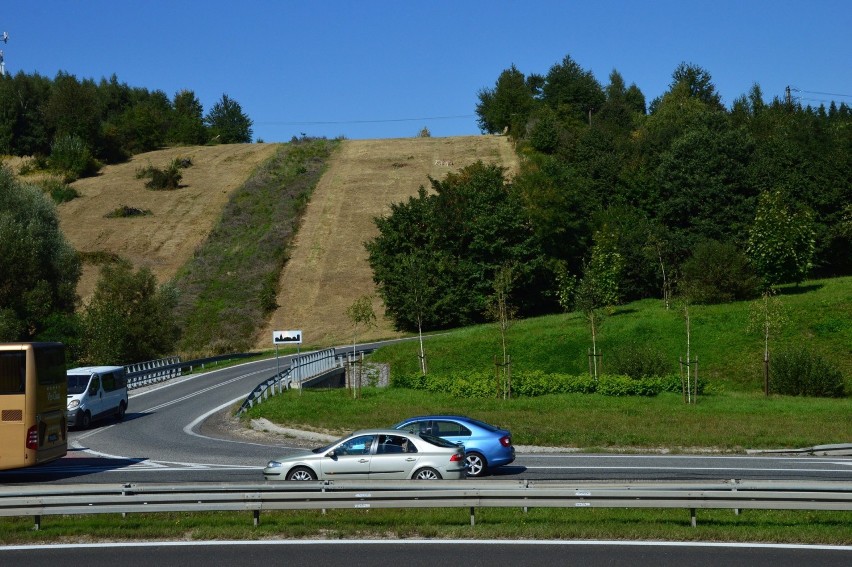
[{"x": 799, "y": 289}]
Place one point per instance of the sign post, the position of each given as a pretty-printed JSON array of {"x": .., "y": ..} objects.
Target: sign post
[{"x": 288, "y": 338}]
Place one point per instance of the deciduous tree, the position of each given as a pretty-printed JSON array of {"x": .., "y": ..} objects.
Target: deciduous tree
[{"x": 39, "y": 269}]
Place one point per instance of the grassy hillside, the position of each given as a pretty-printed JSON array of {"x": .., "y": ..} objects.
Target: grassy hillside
[
  {"x": 180, "y": 219},
  {"x": 819, "y": 316},
  {"x": 328, "y": 270},
  {"x": 732, "y": 415}
]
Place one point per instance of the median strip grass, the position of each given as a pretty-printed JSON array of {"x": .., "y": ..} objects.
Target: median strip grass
[{"x": 755, "y": 526}]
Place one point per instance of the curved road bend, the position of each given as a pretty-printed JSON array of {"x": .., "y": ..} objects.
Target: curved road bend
[{"x": 160, "y": 441}]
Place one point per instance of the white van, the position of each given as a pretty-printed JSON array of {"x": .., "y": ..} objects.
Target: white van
[{"x": 95, "y": 392}]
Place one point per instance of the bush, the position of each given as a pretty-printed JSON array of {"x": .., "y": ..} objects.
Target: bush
[
  {"x": 719, "y": 272},
  {"x": 58, "y": 190},
  {"x": 124, "y": 211},
  {"x": 164, "y": 179},
  {"x": 639, "y": 361},
  {"x": 70, "y": 157},
  {"x": 619, "y": 385},
  {"x": 799, "y": 372}
]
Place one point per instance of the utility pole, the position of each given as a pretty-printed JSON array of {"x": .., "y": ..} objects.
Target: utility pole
[{"x": 788, "y": 96}]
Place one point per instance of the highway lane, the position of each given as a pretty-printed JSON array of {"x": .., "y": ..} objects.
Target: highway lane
[
  {"x": 163, "y": 440},
  {"x": 349, "y": 553}
]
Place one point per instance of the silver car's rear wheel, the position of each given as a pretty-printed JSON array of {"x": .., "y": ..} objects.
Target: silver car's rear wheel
[
  {"x": 301, "y": 473},
  {"x": 476, "y": 464},
  {"x": 427, "y": 474}
]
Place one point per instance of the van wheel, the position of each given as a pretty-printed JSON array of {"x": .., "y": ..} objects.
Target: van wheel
[
  {"x": 85, "y": 420},
  {"x": 122, "y": 409}
]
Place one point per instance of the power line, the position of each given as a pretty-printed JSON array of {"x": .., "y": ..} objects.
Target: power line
[
  {"x": 820, "y": 93},
  {"x": 332, "y": 122}
]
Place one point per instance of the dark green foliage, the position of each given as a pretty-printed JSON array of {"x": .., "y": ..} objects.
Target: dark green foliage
[
  {"x": 698, "y": 82},
  {"x": 187, "y": 125},
  {"x": 507, "y": 106},
  {"x": 529, "y": 384},
  {"x": 163, "y": 179},
  {"x": 800, "y": 372},
  {"x": 58, "y": 190},
  {"x": 124, "y": 211},
  {"x": 640, "y": 361},
  {"x": 70, "y": 157},
  {"x": 781, "y": 241},
  {"x": 112, "y": 119},
  {"x": 130, "y": 318},
  {"x": 719, "y": 272},
  {"x": 39, "y": 269},
  {"x": 572, "y": 91},
  {"x": 467, "y": 229},
  {"x": 689, "y": 171},
  {"x": 227, "y": 122}
]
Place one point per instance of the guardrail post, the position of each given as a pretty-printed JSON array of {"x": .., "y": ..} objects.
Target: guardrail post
[
  {"x": 472, "y": 517},
  {"x": 37, "y": 525},
  {"x": 692, "y": 515},
  {"x": 256, "y": 517}
]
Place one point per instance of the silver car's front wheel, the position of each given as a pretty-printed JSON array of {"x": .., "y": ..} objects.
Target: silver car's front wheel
[
  {"x": 427, "y": 474},
  {"x": 301, "y": 473}
]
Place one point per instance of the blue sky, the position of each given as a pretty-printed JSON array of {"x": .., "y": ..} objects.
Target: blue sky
[{"x": 385, "y": 69}]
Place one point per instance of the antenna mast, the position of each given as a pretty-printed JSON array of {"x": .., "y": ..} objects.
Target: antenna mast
[{"x": 5, "y": 39}]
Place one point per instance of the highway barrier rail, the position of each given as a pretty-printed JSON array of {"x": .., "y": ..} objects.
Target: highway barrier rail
[
  {"x": 301, "y": 369},
  {"x": 150, "y": 372},
  {"x": 44, "y": 500}
]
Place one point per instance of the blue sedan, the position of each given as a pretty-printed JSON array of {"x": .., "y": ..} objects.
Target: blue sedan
[{"x": 485, "y": 446}]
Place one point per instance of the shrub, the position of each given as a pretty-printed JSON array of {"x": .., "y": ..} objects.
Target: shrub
[
  {"x": 70, "y": 157},
  {"x": 58, "y": 190},
  {"x": 620, "y": 385},
  {"x": 799, "y": 372},
  {"x": 124, "y": 211},
  {"x": 719, "y": 272},
  {"x": 163, "y": 179},
  {"x": 639, "y": 361}
]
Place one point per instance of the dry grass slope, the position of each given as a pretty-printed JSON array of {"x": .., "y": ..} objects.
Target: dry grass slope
[
  {"x": 180, "y": 219},
  {"x": 328, "y": 268}
]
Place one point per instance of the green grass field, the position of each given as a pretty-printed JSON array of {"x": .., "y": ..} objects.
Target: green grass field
[
  {"x": 732, "y": 416},
  {"x": 818, "y": 313}
]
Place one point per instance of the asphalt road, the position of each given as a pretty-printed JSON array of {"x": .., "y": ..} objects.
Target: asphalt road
[
  {"x": 175, "y": 432},
  {"x": 413, "y": 553}
]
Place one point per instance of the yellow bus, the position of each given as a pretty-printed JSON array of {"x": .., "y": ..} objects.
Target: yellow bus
[{"x": 33, "y": 389}]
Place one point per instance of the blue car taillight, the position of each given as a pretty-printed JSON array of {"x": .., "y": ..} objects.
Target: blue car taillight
[{"x": 506, "y": 441}]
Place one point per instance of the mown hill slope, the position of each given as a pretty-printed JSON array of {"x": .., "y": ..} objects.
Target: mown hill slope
[
  {"x": 179, "y": 219},
  {"x": 327, "y": 270}
]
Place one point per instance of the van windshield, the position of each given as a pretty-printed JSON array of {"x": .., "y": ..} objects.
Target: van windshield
[{"x": 77, "y": 383}]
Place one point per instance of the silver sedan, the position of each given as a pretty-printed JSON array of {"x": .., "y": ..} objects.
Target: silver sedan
[{"x": 374, "y": 454}]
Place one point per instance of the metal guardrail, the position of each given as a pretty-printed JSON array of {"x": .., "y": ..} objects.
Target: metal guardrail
[
  {"x": 37, "y": 501},
  {"x": 302, "y": 368},
  {"x": 154, "y": 371}
]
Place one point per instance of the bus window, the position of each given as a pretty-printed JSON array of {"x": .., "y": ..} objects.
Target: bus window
[{"x": 12, "y": 372}]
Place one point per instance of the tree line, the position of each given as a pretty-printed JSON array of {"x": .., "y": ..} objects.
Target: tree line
[
  {"x": 110, "y": 118},
  {"x": 618, "y": 199}
]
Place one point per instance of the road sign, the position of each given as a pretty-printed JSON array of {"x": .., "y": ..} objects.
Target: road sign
[{"x": 287, "y": 337}]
